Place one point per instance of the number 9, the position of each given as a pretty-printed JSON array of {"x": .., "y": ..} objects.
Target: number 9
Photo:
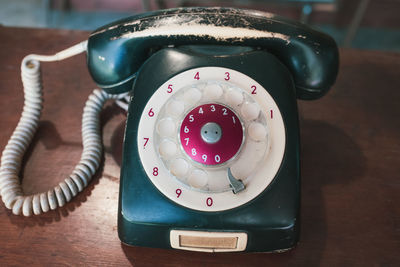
[{"x": 178, "y": 192}]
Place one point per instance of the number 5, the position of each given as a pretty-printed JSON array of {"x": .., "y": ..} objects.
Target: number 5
[{"x": 169, "y": 90}]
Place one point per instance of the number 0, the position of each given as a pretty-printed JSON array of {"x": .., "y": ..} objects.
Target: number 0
[{"x": 209, "y": 201}]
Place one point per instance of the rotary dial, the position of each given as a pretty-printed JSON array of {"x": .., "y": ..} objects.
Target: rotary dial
[
  {"x": 211, "y": 138},
  {"x": 211, "y": 134}
]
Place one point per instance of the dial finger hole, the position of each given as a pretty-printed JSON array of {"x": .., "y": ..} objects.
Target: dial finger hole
[
  {"x": 179, "y": 167},
  {"x": 250, "y": 111},
  {"x": 175, "y": 108},
  {"x": 234, "y": 97},
  {"x": 167, "y": 148},
  {"x": 192, "y": 96},
  {"x": 213, "y": 91},
  {"x": 198, "y": 178},
  {"x": 166, "y": 127},
  {"x": 257, "y": 131}
]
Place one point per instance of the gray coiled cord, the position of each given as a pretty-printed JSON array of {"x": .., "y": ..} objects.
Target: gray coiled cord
[{"x": 10, "y": 188}]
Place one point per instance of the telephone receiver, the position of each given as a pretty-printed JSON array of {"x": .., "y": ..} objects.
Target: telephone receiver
[
  {"x": 211, "y": 147},
  {"x": 117, "y": 51}
]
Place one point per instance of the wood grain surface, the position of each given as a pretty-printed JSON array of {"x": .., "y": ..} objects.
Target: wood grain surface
[{"x": 350, "y": 211}]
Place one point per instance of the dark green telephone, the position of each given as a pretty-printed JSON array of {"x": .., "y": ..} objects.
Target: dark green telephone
[{"x": 211, "y": 148}]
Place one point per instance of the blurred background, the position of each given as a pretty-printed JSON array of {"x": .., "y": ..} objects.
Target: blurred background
[{"x": 361, "y": 24}]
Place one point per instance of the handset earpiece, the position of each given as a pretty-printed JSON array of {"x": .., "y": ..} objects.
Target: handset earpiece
[{"x": 117, "y": 51}]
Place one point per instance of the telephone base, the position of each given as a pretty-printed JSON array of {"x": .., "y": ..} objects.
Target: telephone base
[
  {"x": 148, "y": 215},
  {"x": 273, "y": 240}
]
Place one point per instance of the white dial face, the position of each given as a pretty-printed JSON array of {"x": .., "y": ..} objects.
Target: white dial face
[{"x": 211, "y": 139}]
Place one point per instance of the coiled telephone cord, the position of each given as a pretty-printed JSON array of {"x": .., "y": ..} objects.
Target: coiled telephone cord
[{"x": 10, "y": 187}]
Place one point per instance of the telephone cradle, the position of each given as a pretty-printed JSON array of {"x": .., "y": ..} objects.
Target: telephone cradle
[{"x": 211, "y": 147}]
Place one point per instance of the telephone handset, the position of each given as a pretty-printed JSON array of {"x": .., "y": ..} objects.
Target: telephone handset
[
  {"x": 211, "y": 147},
  {"x": 310, "y": 56}
]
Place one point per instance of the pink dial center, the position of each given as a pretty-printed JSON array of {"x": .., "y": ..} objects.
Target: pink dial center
[{"x": 211, "y": 134}]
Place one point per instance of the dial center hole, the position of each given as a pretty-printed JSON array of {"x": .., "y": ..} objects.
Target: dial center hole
[{"x": 211, "y": 132}]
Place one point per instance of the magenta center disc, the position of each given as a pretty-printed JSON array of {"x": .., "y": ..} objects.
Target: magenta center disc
[{"x": 199, "y": 148}]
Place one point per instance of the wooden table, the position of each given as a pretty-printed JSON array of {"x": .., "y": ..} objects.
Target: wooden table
[{"x": 350, "y": 207}]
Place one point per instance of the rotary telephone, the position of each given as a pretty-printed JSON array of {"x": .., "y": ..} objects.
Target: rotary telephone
[{"x": 211, "y": 147}]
